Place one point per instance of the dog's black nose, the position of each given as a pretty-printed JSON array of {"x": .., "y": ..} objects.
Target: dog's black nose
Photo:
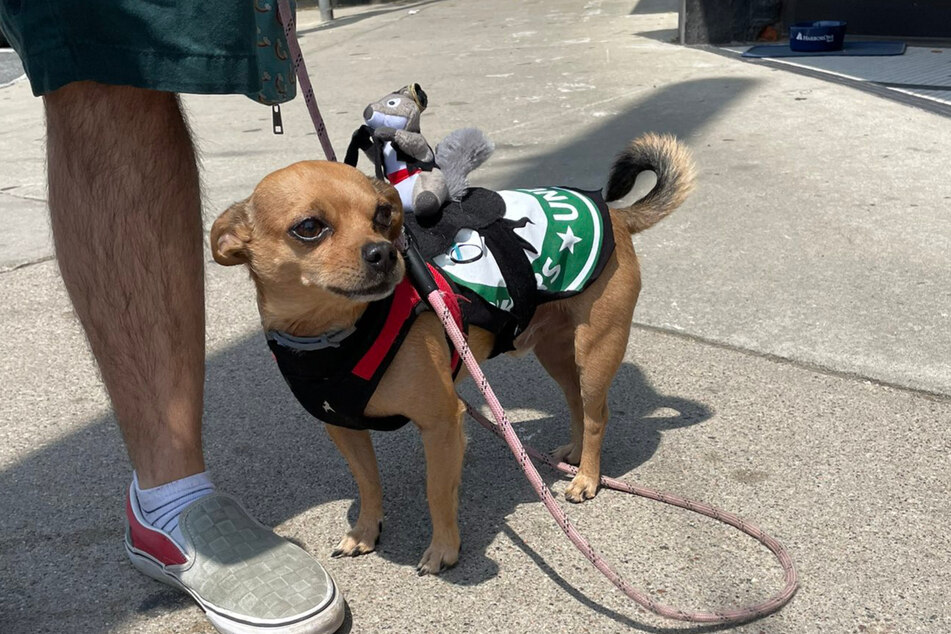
[{"x": 381, "y": 256}]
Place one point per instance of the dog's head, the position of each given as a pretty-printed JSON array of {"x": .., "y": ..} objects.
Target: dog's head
[{"x": 315, "y": 235}]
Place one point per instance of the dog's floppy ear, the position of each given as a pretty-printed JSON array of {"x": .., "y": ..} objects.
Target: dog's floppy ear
[
  {"x": 387, "y": 191},
  {"x": 393, "y": 197},
  {"x": 230, "y": 235}
]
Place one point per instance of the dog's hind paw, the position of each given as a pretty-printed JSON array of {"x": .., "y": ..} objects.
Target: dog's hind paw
[
  {"x": 570, "y": 453},
  {"x": 358, "y": 541}
]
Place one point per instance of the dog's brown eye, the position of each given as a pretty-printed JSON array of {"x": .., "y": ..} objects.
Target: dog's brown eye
[
  {"x": 384, "y": 216},
  {"x": 310, "y": 230}
]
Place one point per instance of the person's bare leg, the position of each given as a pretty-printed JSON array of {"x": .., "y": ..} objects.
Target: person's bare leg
[{"x": 126, "y": 218}]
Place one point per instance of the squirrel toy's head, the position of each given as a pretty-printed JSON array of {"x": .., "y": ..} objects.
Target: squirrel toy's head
[{"x": 399, "y": 110}]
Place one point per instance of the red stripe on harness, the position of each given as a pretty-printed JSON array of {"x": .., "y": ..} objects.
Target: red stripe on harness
[
  {"x": 405, "y": 299},
  {"x": 401, "y": 175}
]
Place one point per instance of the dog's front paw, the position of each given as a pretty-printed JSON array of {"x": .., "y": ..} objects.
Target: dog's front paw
[
  {"x": 437, "y": 558},
  {"x": 359, "y": 541},
  {"x": 582, "y": 488}
]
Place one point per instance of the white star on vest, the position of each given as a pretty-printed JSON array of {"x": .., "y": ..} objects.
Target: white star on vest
[
  {"x": 327, "y": 407},
  {"x": 568, "y": 240}
]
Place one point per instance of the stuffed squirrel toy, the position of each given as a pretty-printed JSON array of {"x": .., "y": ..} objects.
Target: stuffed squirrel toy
[{"x": 425, "y": 179}]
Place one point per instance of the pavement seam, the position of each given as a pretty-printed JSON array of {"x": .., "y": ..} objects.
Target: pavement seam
[
  {"x": 22, "y": 197},
  {"x": 940, "y": 397},
  {"x": 932, "y": 395},
  {"x": 24, "y": 265},
  {"x": 871, "y": 87}
]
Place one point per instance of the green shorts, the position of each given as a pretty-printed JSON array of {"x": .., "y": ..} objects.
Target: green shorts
[{"x": 189, "y": 46}]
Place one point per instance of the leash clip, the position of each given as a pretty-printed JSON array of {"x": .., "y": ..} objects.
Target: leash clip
[{"x": 417, "y": 271}]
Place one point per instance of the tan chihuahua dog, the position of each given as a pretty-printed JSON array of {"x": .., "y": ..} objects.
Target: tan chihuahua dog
[{"x": 318, "y": 240}]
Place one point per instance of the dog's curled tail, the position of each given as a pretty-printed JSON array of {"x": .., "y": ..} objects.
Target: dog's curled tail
[
  {"x": 671, "y": 162},
  {"x": 458, "y": 154}
]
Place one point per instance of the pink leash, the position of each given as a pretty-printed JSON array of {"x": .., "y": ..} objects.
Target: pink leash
[
  {"x": 300, "y": 69},
  {"x": 503, "y": 428}
]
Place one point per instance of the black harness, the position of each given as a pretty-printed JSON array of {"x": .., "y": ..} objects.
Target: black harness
[{"x": 334, "y": 376}]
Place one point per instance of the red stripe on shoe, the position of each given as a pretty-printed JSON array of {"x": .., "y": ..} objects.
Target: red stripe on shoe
[{"x": 152, "y": 541}]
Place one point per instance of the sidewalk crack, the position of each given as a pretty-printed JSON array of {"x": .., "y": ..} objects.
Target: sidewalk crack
[
  {"x": 933, "y": 395},
  {"x": 21, "y": 196},
  {"x": 23, "y": 265}
]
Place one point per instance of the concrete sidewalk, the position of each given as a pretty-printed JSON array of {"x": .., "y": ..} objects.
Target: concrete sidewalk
[{"x": 790, "y": 357}]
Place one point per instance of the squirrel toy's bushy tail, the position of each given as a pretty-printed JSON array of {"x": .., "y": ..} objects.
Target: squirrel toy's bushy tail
[
  {"x": 458, "y": 154},
  {"x": 670, "y": 161}
]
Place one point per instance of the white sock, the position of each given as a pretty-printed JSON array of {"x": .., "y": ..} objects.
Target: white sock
[{"x": 161, "y": 506}]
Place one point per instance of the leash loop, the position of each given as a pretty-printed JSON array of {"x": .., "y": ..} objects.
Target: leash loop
[{"x": 524, "y": 454}]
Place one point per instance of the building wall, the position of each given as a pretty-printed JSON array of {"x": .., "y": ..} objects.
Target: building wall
[{"x": 900, "y": 18}]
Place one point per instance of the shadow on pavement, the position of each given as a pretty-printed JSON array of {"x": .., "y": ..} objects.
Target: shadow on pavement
[
  {"x": 264, "y": 448},
  {"x": 680, "y": 109},
  {"x": 655, "y": 6}
]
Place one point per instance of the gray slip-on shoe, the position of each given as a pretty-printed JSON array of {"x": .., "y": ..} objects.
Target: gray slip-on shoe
[{"x": 246, "y": 578}]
